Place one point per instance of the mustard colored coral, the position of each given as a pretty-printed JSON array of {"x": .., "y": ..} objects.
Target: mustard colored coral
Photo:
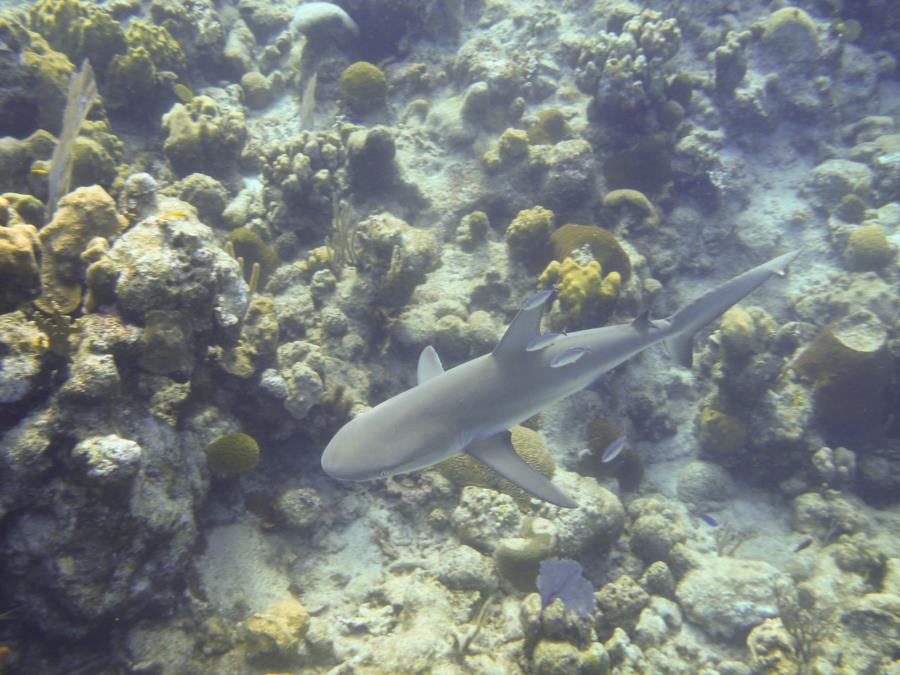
[
  {"x": 580, "y": 286},
  {"x": 364, "y": 86}
]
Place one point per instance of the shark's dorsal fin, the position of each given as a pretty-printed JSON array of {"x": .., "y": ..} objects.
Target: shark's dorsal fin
[
  {"x": 641, "y": 322},
  {"x": 497, "y": 452},
  {"x": 525, "y": 327},
  {"x": 429, "y": 365}
]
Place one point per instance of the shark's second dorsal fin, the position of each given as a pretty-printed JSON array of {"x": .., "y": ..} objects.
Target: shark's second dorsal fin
[
  {"x": 498, "y": 453},
  {"x": 525, "y": 327},
  {"x": 641, "y": 322},
  {"x": 429, "y": 365}
]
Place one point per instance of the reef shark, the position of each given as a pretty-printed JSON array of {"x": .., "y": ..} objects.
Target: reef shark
[{"x": 470, "y": 408}]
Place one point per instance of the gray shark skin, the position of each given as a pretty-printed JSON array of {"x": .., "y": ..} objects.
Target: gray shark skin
[{"x": 471, "y": 407}]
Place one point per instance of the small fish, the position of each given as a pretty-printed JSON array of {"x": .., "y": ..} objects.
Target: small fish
[
  {"x": 39, "y": 169},
  {"x": 568, "y": 357},
  {"x": 708, "y": 519},
  {"x": 803, "y": 544},
  {"x": 614, "y": 450},
  {"x": 541, "y": 342},
  {"x": 308, "y": 102},
  {"x": 174, "y": 214},
  {"x": 182, "y": 92}
]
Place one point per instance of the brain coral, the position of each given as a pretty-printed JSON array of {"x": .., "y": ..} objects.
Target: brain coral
[
  {"x": 233, "y": 453},
  {"x": 464, "y": 470},
  {"x": 605, "y": 247},
  {"x": 364, "y": 86}
]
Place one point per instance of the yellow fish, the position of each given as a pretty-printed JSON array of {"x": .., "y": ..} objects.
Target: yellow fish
[
  {"x": 38, "y": 169},
  {"x": 174, "y": 214}
]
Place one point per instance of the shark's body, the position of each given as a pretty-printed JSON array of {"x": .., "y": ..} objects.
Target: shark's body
[{"x": 471, "y": 407}]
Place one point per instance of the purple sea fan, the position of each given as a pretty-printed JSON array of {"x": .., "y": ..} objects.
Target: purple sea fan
[{"x": 561, "y": 578}]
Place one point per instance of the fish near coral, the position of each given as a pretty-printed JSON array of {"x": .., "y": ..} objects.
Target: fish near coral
[{"x": 471, "y": 407}]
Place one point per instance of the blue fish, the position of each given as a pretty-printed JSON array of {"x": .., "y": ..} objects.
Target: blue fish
[
  {"x": 708, "y": 519},
  {"x": 614, "y": 449}
]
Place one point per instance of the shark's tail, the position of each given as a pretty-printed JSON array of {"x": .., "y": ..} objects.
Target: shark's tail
[{"x": 685, "y": 323}]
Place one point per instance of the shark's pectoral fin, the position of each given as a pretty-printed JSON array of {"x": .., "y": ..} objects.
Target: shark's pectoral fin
[
  {"x": 429, "y": 365},
  {"x": 497, "y": 452}
]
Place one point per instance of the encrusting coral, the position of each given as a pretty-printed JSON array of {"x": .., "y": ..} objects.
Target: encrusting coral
[
  {"x": 84, "y": 216},
  {"x": 19, "y": 266}
]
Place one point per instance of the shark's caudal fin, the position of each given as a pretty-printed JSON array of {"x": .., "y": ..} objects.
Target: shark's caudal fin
[
  {"x": 497, "y": 452},
  {"x": 691, "y": 318}
]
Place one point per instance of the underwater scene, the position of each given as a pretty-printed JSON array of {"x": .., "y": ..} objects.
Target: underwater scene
[{"x": 449, "y": 336}]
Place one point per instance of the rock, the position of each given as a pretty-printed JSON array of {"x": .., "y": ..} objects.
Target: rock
[
  {"x": 727, "y": 597},
  {"x": 109, "y": 460},
  {"x": 299, "y": 508},
  {"x": 277, "y": 632},
  {"x": 465, "y": 569},
  {"x": 702, "y": 484}
]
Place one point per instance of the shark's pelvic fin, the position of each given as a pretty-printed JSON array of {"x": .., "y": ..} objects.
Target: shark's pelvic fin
[
  {"x": 429, "y": 365},
  {"x": 641, "y": 322},
  {"x": 709, "y": 306},
  {"x": 497, "y": 452},
  {"x": 525, "y": 327}
]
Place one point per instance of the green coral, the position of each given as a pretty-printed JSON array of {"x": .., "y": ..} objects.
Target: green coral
[
  {"x": 464, "y": 470},
  {"x": 201, "y": 139},
  {"x": 551, "y": 127},
  {"x": 604, "y": 245},
  {"x": 721, "y": 433},
  {"x": 164, "y": 50},
  {"x": 79, "y": 30},
  {"x": 249, "y": 246},
  {"x": 147, "y": 70},
  {"x": 627, "y": 468},
  {"x": 95, "y": 155},
  {"x": 364, "y": 86},
  {"x": 581, "y": 287},
  {"x": 512, "y": 146},
  {"x": 528, "y": 233},
  {"x": 850, "y": 368},
  {"x": 868, "y": 249},
  {"x": 851, "y": 209},
  {"x": 131, "y": 79},
  {"x": 232, "y": 454},
  {"x": 646, "y": 167}
]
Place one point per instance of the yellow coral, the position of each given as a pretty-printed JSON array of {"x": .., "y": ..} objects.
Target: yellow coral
[
  {"x": 320, "y": 258},
  {"x": 580, "y": 286}
]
